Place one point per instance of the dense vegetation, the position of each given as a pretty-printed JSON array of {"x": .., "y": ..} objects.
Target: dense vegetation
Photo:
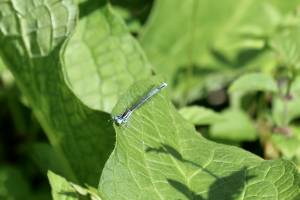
[{"x": 226, "y": 127}]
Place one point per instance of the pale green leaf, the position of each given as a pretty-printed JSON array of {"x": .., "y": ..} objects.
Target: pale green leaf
[
  {"x": 64, "y": 190},
  {"x": 32, "y": 37},
  {"x": 61, "y": 188},
  {"x": 107, "y": 60},
  {"x": 236, "y": 127},
  {"x": 200, "y": 115},
  {"x": 158, "y": 155},
  {"x": 253, "y": 82}
]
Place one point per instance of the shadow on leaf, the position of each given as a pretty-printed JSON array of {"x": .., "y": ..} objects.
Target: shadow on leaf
[
  {"x": 184, "y": 190},
  {"x": 226, "y": 188},
  {"x": 167, "y": 149}
]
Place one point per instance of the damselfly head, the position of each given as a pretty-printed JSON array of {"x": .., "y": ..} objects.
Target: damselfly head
[
  {"x": 118, "y": 120},
  {"x": 163, "y": 85},
  {"x": 122, "y": 119}
]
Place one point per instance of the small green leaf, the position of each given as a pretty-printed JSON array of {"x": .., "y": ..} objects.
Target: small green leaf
[
  {"x": 158, "y": 155},
  {"x": 200, "y": 115},
  {"x": 62, "y": 189},
  {"x": 253, "y": 82},
  {"x": 236, "y": 127}
]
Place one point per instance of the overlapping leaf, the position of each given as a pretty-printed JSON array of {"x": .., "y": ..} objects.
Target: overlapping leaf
[
  {"x": 32, "y": 34},
  {"x": 106, "y": 61}
]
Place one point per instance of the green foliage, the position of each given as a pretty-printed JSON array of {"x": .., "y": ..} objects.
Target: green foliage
[
  {"x": 12, "y": 184},
  {"x": 212, "y": 43},
  {"x": 234, "y": 71}
]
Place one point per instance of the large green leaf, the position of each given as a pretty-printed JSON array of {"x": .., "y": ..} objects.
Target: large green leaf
[
  {"x": 32, "y": 36},
  {"x": 107, "y": 59},
  {"x": 181, "y": 33},
  {"x": 158, "y": 155}
]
